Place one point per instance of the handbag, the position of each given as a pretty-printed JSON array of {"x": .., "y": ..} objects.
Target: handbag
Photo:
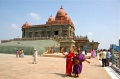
[{"x": 76, "y": 61}]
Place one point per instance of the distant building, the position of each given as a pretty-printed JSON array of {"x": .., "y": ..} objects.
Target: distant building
[
  {"x": 83, "y": 43},
  {"x": 60, "y": 26}
]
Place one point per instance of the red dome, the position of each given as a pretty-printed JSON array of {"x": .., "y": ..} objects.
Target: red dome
[
  {"x": 26, "y": 24},
  {"x": 60, "y": 13},
  {"x": 51, "y": 18},
  {"x": 66, "y": 17}
]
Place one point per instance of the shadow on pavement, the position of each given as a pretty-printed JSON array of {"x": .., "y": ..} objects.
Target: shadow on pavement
[
  {"x": 97, "y": 65},
  {"x": 30, "y": 62},
  {"x": 60, "y": 74}
]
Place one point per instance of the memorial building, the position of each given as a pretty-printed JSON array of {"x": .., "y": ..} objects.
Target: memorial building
[{"x": 60, "y": 26}]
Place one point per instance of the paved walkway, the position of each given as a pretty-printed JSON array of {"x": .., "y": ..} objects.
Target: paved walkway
[{"x": 47, "y": 67}]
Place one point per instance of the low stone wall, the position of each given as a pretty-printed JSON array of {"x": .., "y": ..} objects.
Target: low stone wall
[{"x": 11, "y": 49}]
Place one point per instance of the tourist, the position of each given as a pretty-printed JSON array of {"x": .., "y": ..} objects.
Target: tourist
[
  {"x": 22, "y": 53},
  {"x": 17, "y": 53},
  {"x": 69, "y": 59},
  {"x": 77, "y": 62},
  {"x": 83, "y": 52},
  {"x": 100, "y": 56},
  {"x": 103, "y": 58},
  {"x": 96, "y": 52},
  {"x": 108, "y": 57},
  {"x": 93, "y": 53},
  {"x": 35, "y": 57}
]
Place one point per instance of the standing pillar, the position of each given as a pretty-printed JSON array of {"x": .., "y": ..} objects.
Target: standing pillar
[{"x": 113, "y": 56}]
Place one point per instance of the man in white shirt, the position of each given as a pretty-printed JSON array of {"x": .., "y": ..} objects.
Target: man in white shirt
[
  {"x": 35, "y": 57},
  {"x": 83, "y": 52}
]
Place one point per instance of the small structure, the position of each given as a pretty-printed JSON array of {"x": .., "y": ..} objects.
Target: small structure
[
  {"x": 83, "y": 42},
  {"x": 67, "y": 44}
]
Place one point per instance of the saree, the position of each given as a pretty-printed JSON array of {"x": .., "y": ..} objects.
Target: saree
[
  {"x": 77, "y": 68},
  {"x": 69, "y": 59}
]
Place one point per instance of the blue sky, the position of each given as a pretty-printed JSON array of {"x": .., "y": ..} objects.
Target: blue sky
[{"x": 98, "y": 19}]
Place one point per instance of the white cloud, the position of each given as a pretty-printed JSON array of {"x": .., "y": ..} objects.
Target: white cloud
[
  {"x": 14, "y": 26},
  {"x": 90, "y": 33},
  {"x": 34, "y": 15}
]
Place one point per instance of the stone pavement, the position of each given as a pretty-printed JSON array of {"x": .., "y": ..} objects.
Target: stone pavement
[{"x": 47, "y": 67}]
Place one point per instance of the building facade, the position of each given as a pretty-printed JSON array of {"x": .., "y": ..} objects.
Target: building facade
[
  {"x": 61, "y": 26},
  {"x": 83, "y": 42}
]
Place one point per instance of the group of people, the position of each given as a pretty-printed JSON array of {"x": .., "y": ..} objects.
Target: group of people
[
  {"x": 74, "y": 62},
  {"x": 104, "y": 55},
  {"x": 19, "y": 53}
]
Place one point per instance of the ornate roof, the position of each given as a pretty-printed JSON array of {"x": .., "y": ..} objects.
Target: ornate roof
[
  {"x": 51, "y": 18},
  {"x": 61, "y": 18},
  {"x": 67, "y": 17},
  {"x": 60, "y": 13},
  {"x": 26, "y": 25}
]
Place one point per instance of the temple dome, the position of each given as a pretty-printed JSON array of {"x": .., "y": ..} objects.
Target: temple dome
[
  {"x": 51, "y": 18},
  {"x": 67, "y": 17},
  {"x": 60, "y": 13},
  {"x": 25, "y": 25}
]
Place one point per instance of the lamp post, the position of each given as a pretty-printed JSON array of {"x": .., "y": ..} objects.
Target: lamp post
[{"x": 119, "y": 52}]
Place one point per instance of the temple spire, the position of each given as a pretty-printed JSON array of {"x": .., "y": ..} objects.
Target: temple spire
[{"x": 61, "y": 7}]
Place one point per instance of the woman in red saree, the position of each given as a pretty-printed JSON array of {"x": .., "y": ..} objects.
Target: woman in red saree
[{"x": 69, "y": 60}]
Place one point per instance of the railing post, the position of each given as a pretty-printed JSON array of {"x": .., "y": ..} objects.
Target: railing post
[
  {"x": 119, "y": 53},
  {"x": 113, "y": 57}
]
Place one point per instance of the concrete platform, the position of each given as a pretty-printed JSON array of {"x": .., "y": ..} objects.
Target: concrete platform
[
  {"x": 46, "y": 68},
  {"x": 60, "y": 55}
]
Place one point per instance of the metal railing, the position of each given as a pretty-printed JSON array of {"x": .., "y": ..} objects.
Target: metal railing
[{"x": 116, "y": 61}]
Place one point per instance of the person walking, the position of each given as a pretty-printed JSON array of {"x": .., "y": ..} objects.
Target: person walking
[
  {"x": 103, "y": 58},
  {"x": 93, "y": 53},
  {"x": 83, "y": 52},
  {"x": 69, "y": 60},
  {"x": 100, "y": 56},
  {"x": 35, "y": 57},
  {"x": 22, "y": 53},
  {"x": 96, "y": 52},
  {"x": 77, "y": 63},
  {"x": 108, "y": 57},
  {"x": 19, "y": 53}
]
